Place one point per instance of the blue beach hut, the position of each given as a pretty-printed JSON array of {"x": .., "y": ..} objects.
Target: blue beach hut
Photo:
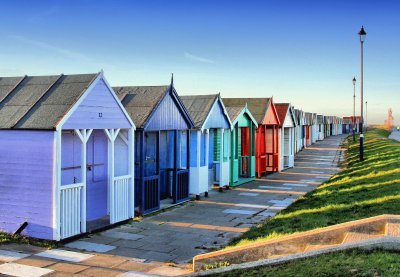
[
  {"x": 161, "y": 145},
  {"x": 210, "y": 151}
]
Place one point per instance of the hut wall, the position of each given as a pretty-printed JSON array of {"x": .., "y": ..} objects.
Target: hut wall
[
  {"x": 26, "y": 182},
  {"x": 99, "y": 110}
]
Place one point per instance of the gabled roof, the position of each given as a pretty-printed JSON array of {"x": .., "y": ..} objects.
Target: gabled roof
[
  {"x": 282, "y": 109},
  {"x": 39, "y": 102},
  {"x": 140, "y": 101},
  {"x": 236, "y": 112},
  {"x": 257, "y": 106},
  {"x": 199, "y": 106}
]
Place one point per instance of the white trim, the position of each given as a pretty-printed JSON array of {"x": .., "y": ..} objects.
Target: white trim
[
  {"x": 56, "y": 184},
  {"x": 99, "y": 77},
  {"x": 124, "y": 138},
  {"x": 84, "y": 135},
  {"x": 221, "y": 157},
  {"x": 218, "y": 99},
  {"x": 131, "y": 166},
  {"x": 198, "y": 158}
]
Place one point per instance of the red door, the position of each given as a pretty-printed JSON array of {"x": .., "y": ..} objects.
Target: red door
[
  {"x": 260, "y": 150},
  {"x": 245, "y": 150}
]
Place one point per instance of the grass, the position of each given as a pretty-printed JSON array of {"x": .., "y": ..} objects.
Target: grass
[
  {"x": 361, "y": 190},
  {"x": 347, "y": 263},
  {"x": 6, "y": 238}
]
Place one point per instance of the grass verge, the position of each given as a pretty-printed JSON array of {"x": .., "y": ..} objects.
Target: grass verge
[
  {"x": 361, "y": 190},
  {"x": 347, "y": 263}
]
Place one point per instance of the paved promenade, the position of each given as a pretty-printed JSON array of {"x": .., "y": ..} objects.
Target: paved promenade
[{"x": 165, "y": 243}]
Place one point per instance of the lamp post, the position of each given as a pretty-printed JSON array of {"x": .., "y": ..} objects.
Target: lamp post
[
  {"x": 354, "y": 110},
  {"x": 366, "y": 115},
  {"x": 362, "y": 34}
]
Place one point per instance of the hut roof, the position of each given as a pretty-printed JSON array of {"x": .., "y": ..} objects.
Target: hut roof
[
  {"x": 234, "y": 112},
  {"x": 140, "y": 101},
  {"x": 257, "y": 106},
  {"x": 199, "y": 106},
  {"x": 39, "y": 102},
  {"x": 281, "y": 110}
]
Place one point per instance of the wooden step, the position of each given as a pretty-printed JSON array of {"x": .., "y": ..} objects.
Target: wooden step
[
  {"x": 393, "y": 229},
  {"x": 313, "y": 247},
  {"x": 354, "y": 237}
]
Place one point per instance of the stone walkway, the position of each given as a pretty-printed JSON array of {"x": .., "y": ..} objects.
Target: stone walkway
[
  {"x": 395, "y": 135},
  {"x": 165, "y": 243}
]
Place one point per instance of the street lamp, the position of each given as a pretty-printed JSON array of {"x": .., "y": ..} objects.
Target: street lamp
[
  {"x": 354, "y": 110},
  {"x": 362, "y": 35},
  {"x": 366, "y": 115}
]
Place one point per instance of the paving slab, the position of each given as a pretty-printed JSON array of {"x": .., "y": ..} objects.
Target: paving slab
[
  {"x": 90, "y": 246},
  {"x": 64, "y": 255},
  {"x": 251, "y": 194},
  {"x": 69, "y": 268},
  {"x": 122, "y": 235},
  {"x": 296, "y": 185},
  {"x": 36, "y": 261},
  {"x": 10, "y": 256},
  {"x": 244, "y": 212},
  {"x": 98, "y": 271},
  {"x": 20, "y": 270}
]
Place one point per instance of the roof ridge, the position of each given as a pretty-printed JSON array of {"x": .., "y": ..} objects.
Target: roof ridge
[{"x": 40, "y": 98}]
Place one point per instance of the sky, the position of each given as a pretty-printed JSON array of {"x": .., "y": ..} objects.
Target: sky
[{"x": 302, "y": 52}]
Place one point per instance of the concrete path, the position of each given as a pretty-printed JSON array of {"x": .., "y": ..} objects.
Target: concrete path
[
  {"x": 395, "y": 135},
  {"x": 165, "y": 243}
]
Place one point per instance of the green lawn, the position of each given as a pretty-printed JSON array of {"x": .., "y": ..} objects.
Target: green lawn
[
  {"x": 348, "y": 263},
  {"x": 361, "y": 190}
]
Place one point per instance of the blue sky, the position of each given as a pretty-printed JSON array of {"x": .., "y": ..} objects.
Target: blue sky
[{"x": 303, "y": 52}]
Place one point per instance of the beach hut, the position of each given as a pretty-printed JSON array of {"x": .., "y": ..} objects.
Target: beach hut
[
  {"x": 299, "y": 130},
  {"x": 267, "y": 133},
  {"x": 340, "y": 126},
  {"x": 314, "y": 128},
  {"x": 288, "y": 124},
  {"x": 161, "y": 145},
  {"x": 321, "y": 127},
  {"x": 308, "y": 122},
  {"x": 210, "y": 150},
  {"x": 354, "y": 123},
  {"x": 61, "y": 168},
  {"x": 346, "y": 126},
  {"x": 327, "y": 126},
  {"x": 243, "y": 145}
]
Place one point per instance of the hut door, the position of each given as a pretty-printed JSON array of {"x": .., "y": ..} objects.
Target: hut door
[
  {"x": 245, "y": 152},
  {"x": 96, "y": 176}
]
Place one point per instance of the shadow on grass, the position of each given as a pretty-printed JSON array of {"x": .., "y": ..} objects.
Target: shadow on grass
[{"x": 363, "y": 189}]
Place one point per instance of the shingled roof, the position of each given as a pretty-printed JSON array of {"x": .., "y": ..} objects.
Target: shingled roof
[
  {"x": 199, "y": 106},
  {"x": 140, "y": 101},
  {"x": 39, "y": 102},
  {"x": 234, "y": 112},
  {"x": 281, "y": 110},
  {"x": 257, "y": 106}
]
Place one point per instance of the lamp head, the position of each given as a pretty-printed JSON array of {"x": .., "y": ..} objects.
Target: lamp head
[{"x": 362, "y": 34}]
